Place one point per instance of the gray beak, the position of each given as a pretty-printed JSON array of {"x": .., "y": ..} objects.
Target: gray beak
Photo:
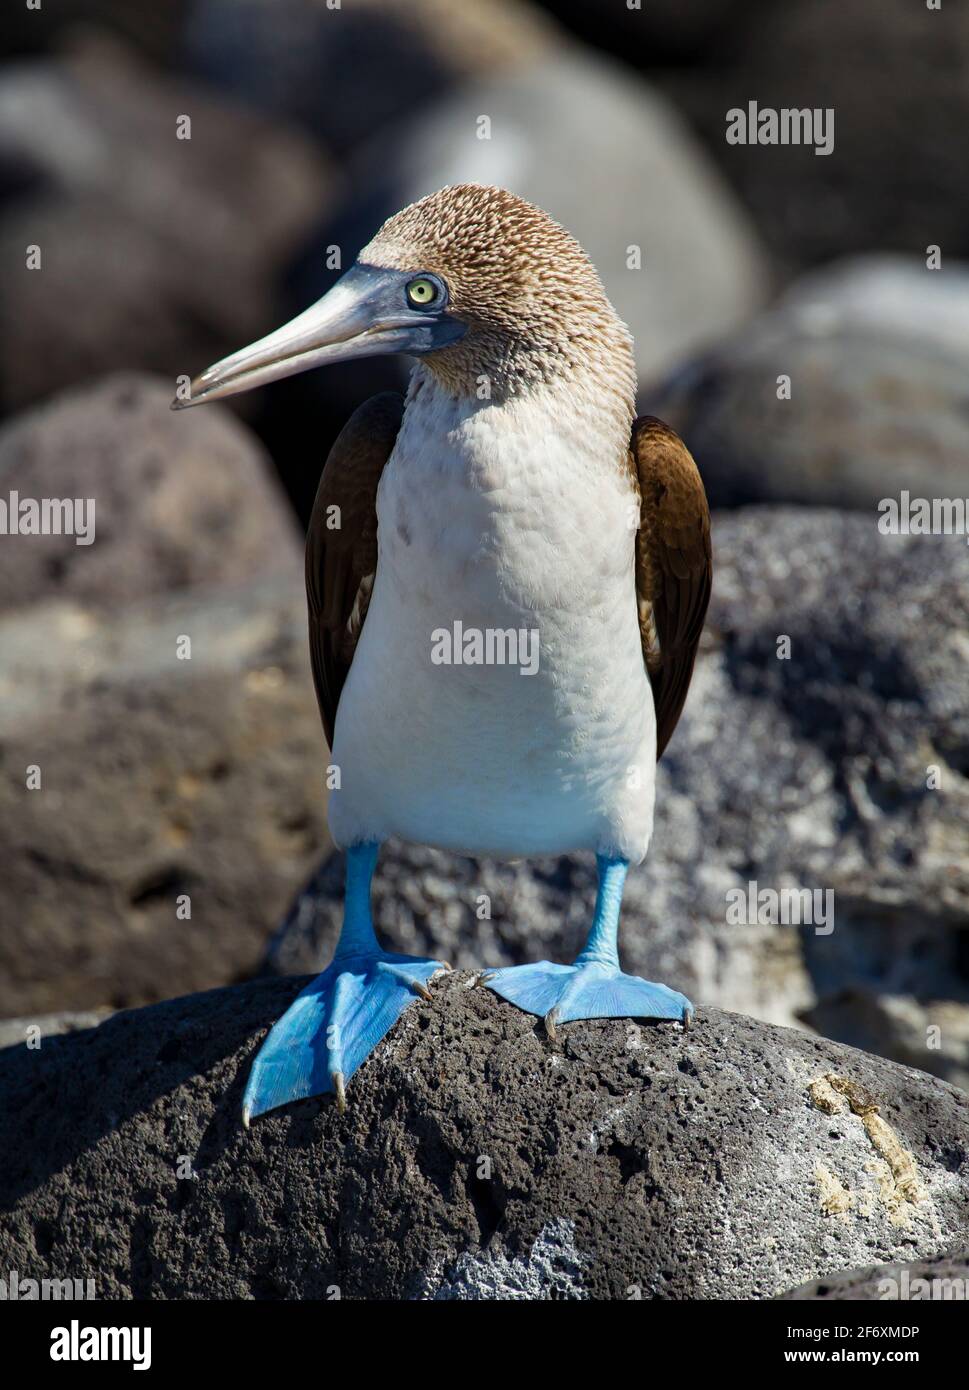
[{"x": 364, "y": 314}]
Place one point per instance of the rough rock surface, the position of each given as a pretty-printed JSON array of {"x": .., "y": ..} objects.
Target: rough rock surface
[
  {"x": 14, "y": 1031},
  {"x": 914, "y": 1281},
  {"x": 180, "y": 499},
  {"x": 877, "y": 354},
  {"x": 808, "y": 772},
  {"x": 293, "y": 58},
  {"x": 894, "y": 73},
  {"x": 157, "y": 251},
  {"x": 476, "y": 1160},
  {"x": 160, "y": 777}
]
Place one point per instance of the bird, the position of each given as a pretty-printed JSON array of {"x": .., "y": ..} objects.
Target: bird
[{"x": 507, "y": 575}]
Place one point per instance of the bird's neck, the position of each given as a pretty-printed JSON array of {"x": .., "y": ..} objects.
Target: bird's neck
[
  {"x": 590, "y": 356},
  {"x": 587, "y": 406}
]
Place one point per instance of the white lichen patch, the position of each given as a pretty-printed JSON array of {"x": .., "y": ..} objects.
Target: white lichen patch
[
  {"x": 606, "y": 1125},
  {"x": 552, "y": 1268}
]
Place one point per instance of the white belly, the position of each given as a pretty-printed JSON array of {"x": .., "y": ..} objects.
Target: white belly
[{"x": 503, "y": 527}]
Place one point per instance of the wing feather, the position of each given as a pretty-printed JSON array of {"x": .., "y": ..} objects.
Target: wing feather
[
  {"x": 341, "y": 545},
  {"x": 674, "y": 565}
]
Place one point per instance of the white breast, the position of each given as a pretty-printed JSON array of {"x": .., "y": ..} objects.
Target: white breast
[{"x": 513, "y": 518}]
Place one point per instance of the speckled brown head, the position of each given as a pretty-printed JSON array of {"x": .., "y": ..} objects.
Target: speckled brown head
[
  {"x": 481, "y": 285},
  {"x": 532, "y": 300}
]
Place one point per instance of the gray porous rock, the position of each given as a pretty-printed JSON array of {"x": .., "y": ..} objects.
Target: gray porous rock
[
  {"x": 179, "y": 499},
  {"x": 477, "y": 1159},
  {"x": 944, "y": 1279},
  {"x": 299, "y": 60},
  {"x": 157, "y": 801},
  {"x": 892, "y": 72},
  {"x": 155, "y": 250},
  {"x": 876, "y": 351},
  {"x": 14, "y": 1031},
  {"x": 838, "y": 765}
]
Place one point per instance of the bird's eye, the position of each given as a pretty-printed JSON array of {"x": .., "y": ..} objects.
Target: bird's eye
[{"x": 422, "y": 292}]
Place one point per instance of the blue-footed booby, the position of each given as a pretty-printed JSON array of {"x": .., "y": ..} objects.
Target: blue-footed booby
[{"x": 509, "y": 500}]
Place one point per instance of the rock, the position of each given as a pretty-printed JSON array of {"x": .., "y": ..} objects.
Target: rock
[
  {"x": 946, "y": 1277},
  {"x": 903, "y": 1026},
  {"x": 877, "y": 354},
  {"x": 179, "y": 499},
  {"x": 476, "y": 1159},
  {"x": 300, "y": 60},
  {"x": 894, "y": 74},
  {"x": 164, "y": 783},
  {"x": 156, "y": 250},
  {"x": 15, "y": 1031},
  {"x": 89, "y": 310},
  {"x": 808, "y": 772},
  {"x": 608, "y": 158}
]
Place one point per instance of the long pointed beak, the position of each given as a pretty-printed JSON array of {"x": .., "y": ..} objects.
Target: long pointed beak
[{"x": 365, "y": 313}]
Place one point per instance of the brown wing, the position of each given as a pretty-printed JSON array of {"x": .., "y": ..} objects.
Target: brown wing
[
  {"x": 674, "y": 565},
  {"x": 341, "y": 545}
]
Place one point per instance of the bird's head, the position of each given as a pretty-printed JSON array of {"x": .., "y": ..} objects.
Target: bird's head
[{"x": 476, "y": 281}]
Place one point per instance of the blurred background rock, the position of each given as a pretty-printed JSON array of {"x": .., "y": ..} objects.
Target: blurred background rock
[{"x": 309, "y": 125}]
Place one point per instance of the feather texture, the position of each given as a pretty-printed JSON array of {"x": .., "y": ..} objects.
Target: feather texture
[
  {"x": 341, "y": 545},
  {"x": 674, "y": 565}
]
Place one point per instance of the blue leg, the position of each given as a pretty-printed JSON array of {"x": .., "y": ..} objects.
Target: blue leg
[
  {"x": 336, "y": 1022},
  {"x": 594, "y": 986}
]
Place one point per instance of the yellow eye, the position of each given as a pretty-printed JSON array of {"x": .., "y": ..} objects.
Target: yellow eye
[{"x": 421, "y": 291}]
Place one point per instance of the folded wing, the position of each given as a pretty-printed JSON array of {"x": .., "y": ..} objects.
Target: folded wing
[
  {"x": 674, "y": 565},
  {"x": 341, "y": 545}
]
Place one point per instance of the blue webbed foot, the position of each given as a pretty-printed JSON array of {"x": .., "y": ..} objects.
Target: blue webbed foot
[
  {"x": 560, "y": 993},
  {"x": 332, "y": 1026},
  {"x": 594, "y": 986},
  {"x": 336, "y": 1022}
]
